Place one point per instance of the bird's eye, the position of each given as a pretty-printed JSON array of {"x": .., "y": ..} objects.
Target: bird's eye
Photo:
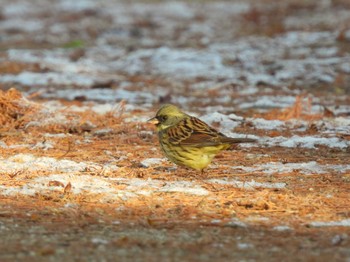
[{"x": 163, "y": 118}]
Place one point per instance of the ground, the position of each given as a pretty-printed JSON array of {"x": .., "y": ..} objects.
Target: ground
[{"x": 82, "y": 176}]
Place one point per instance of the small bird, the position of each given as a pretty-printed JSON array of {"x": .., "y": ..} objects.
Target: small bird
[{"x": 188, "y": 141}]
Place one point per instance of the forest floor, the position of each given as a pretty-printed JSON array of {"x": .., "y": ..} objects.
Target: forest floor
[{"x": 82, "y": 176}]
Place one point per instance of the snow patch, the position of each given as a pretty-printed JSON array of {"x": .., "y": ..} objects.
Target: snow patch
[
  {"x": 152, "y": 162},
  {"x": 184, "y": 187},
  {"x": 247, "y": 184},
  {"x": 307, "y": 141},
  {"x": 306, "y": 168},
  {"x": 227, "y": 122},
  {"x": 341, "y": 223},
  {"x": 32, "y": 163},
  {"x": 261, "y": 123}
]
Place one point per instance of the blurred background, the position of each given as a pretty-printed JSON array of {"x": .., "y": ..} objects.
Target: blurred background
[{"x": 204, "y": 55}]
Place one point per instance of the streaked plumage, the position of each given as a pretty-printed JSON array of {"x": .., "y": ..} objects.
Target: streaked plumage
[{"x": 188, "y": 141}]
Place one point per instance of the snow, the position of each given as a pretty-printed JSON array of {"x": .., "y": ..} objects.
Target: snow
[
  {"x": 235, "y": 223},
  {"x": 86, "y": 184},
  {"x": 50, "y": 78},
  {"x": 307, "y": 141},
  {"x": 59, "y": 135},
  {"x": 334, "y": 125},
  {"x": 227, "y": 122},
  {"x": 282, "y": 228},
  {"x": 269, "y": 102},
  {"x": 3, "y": 144},
  {"x": 247, "y": 184},
  {"x": 31, "y": 26},
  {"x": 102, "y": 94},
  {"x": 244, "y": 246},
  {"x": 104, "y": 131},
  {"x": 306, "y": 168},
  {"x": 189, "y": 63},
  {"x": 82, "y": 183},
  {"x": 77, "y": 6},
  {"x": 152, "y": 162},
  {"x": 184, "y": 187},
  {"x": 261, "y": 123},
  {"x": 79, "y": 184},
  {"x": 45, "y": 145},
  {"x": 32, "y": 163},
  {"x": 99, "y": 241},
  {"x": 340, "y": 223}
]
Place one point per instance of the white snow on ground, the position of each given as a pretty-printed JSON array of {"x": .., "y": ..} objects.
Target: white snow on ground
[
  {"x": 267, "y": 102},
  {"x": 306, "y": 168},
  {"x": 57, "y": 60},
  {"x": 227, "y": 122},
  {"x": 67, "y": 171},
  {"x": 70, "y": 173},
  {"x": 282, "y": 228},
  {"x": 101, "y": 62},
  {"x": 247, "y": 184},
  {"x": 152, "y": 161},
  {"x": 189, "y": 63},
  {"x": 340, "y": 109},
  {"x": 100, "y": 108},
  {"x": 305, "y": 141},
  {"x": 28, "y": 162},
  {"x": 261, "y": 123},
  {"x": 184, "y": 187},
  {"x": 341, "y": 223},
  {"x": 86, "y": 184},
  {"x": 335, "y": 125},
  {"x": 106, "y": 95},
  {"x": 244, "y": 246},
  {"x": 50, "y": 78},
  {"x": 80, "y": 184},
  {"x": 332, "y": 127}
]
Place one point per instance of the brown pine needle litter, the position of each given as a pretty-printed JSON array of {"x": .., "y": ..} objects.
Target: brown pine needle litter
[{"x": 114, "y": 149}]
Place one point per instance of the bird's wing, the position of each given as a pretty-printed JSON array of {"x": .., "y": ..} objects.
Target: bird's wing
[{"x": 193, "y": 132}]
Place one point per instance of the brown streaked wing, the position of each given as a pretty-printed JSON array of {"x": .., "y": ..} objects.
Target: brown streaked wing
[{"x": 193, "y": 132}]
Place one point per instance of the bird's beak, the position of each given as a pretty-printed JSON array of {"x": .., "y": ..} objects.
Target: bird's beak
[{"x": 153, "y": 121}]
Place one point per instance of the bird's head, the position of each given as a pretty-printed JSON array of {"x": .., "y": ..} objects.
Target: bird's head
[{"x": 167, "y": 116}]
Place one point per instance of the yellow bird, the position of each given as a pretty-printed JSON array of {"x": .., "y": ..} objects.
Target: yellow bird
[{"x": 188, "y": 141}]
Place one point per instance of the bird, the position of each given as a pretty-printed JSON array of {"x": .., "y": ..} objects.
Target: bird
[{"x": 188, "y": 141}]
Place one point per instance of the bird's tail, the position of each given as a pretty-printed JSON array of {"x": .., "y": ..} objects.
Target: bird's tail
[{"x": 231, "y": 140}]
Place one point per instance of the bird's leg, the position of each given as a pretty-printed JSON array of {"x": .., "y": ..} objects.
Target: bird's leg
[{"x": 203, "y": 173}]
